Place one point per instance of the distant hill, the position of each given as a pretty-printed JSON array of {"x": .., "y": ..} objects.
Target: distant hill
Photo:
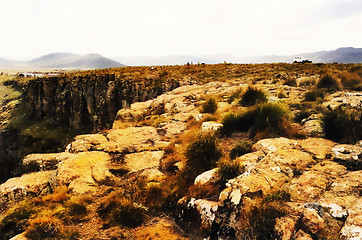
[
  {"x": 341, "y": 55},
  {"x": 62, "y": 60}
]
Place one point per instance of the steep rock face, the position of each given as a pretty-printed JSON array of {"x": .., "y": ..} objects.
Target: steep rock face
[
  {"x": 88, "y": 101},
  {"x": 8, "y": 153}
]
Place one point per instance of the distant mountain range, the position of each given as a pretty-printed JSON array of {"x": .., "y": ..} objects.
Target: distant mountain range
[
  {"x": 340, "y": 55},
  {"x": 96, "y": 61},
  {"x": 62, "y": 61}
]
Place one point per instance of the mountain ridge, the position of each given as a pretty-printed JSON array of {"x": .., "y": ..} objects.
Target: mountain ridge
[
  {"x": 341, "y": 55},
  {"x": 62, "y": 60}
]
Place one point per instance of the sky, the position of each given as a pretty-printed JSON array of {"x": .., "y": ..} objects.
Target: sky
[{"x": 118, "y": 28}]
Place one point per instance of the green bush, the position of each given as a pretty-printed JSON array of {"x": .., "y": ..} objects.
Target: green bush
[
  {"x": 329, "y": 82},
  {"x": 240, "y": 149},
  {"x": 343, "y": 125},
  {"x": 312, "y": 96},
  {"x": 210, "y": 106},
  {"x": 252, "y": 96},
  {"x": 202, "y": 154}
]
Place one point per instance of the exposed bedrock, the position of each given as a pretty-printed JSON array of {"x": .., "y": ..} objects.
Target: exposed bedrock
[{"x": 89, "y": 101}]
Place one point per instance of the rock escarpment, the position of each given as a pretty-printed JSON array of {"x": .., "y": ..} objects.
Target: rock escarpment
[
  {"x": 289, "y": 189},
  {"x": 88, "y": 101}
]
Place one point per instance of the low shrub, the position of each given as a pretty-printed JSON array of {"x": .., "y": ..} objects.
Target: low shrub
[
  {"x": 228, "y": 169},
  {"x": 269, "y": 114},
  {"x": 291, "y": 82},
  {"x": 260, "y": 221},
  {"x": 237, "y": 122},
  {"x": 43, "y": 228},
  {"x": 15, "y": 222},
  {"x": 352, "y": 79},
  {"x": 312, "y": 96},
  {"x": 208, "y": 191},
  {"x": 154, "y": 195},
  {"x": 240, "y": 149},
  {"x": 343, "y": 125},
  {"x": 252, "y": 96},
  {"x": 202, "y": 154},
  {"x": 119, "y": 210},
  {"x": 329, "y": 82},
  {"x": 281, "y": 94},
  {"x": 258, "y": 118},
  {"x": 77, "y": 209},
  {"x": 234, "y": 95},
  {"x": 210, "y": 106},
  {"x": 307, "y": 82}
]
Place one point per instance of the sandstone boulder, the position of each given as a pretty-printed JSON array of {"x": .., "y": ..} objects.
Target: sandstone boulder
[
  {"x": 171, "y": 128},
  {"x": 45, "y": 161},
  {"x": 272, "y": 144},
  {"x": 312, "y": 221},
  {"x": 344, "y": 190},
  {"x": 317, "y": 147},
  {"x": 207, "y": 210},
  {"x": 87, "y": 142},
  {"x": 143, "y": 160},
  {"x": 284, "y": 228},
  {"x": 313, "y": 125},
  {"x": 210, "y": 176},
  {"x": 134, "y": 139},
  {"x": 312, "y": 183},
  {"x": 348, "y": 155},
  {"x": 352, "y": 228},
  {"x": 28, "y": 185},
  {"x": 301, "y": 235},
  {"x": 152, "y": 175},
  {"x": 352, "y": 99},
  {"x": 210, "y": 126},
  {"x": 85, "y": 171}
]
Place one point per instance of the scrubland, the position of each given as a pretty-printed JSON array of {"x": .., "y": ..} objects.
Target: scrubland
[{"x": 263, "y": 151}]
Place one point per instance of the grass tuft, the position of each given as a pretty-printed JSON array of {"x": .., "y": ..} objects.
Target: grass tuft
[
  {"x": 240, "y": 149},
  {"x": 252, "y": 96},
  {"x": 343, "y": 125},
  {"x": 329, "y": 82},
  {"x": 202, "y": 154},
  {"x": 210, "y": 106}
]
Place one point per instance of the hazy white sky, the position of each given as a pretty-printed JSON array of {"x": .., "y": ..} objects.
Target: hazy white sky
[{"x": 114, "y": 28}]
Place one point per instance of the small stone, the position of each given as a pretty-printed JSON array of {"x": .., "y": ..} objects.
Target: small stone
[
  {"x": 284, "y": 228},
  {"x": 300, "y": 235},
  {"x": 335, "y": 210},
  {"x": 207, "y": 177},
  {"x": 210, "y": 126},
  {"x": 312, "y": 221}
]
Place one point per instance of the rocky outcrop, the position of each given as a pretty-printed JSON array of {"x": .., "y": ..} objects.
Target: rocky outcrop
[
  {"x": 28, "y": 185},
  {"x": 88, "y": 101},
  {"x": 323, "y": 197}
]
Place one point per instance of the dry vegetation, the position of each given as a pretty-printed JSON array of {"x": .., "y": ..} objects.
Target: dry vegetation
[{"x": 126, "y": 211}]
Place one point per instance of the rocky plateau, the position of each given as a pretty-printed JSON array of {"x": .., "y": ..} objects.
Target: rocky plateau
[{"x": 307, "y": 188}]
